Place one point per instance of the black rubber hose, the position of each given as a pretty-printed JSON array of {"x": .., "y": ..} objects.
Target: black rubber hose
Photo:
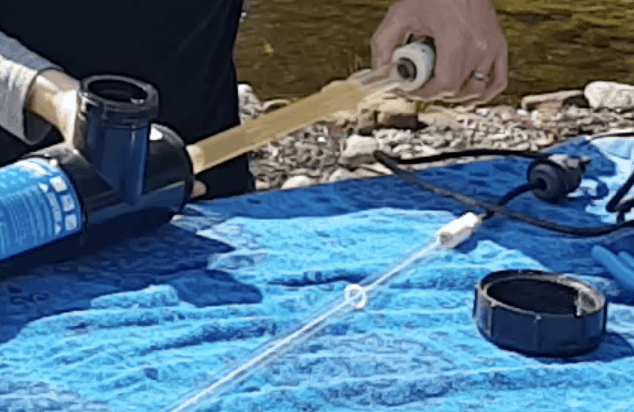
[
  {"x": 624, "y": 209},
  {"x": 465, "y": 153},
  {"x": 520, "y": 190},
  {"x": 500, "y": 210},
  {"x": 617, "y": 205}
]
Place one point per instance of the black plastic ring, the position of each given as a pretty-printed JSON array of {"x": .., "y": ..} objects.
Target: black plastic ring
[{"x": 540, "y": 313}]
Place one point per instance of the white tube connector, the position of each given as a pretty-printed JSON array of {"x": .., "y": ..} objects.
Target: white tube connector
[
  {"x": 457, "y": 231},
  {"x": 413, "y": 65}
]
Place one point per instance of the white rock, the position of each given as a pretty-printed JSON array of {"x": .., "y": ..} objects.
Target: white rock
[
  {"x": 610, "y": 95},
  {"x": 374, "y": 169},
  {"x": 424, "y": 150},
  {"x": 274, "y": 104},
  {"x": 340, "y": 175},
  {"x": 552, "y": 102},
  {"x": 261, "y": 185},
  {"x": 247, "y": 97},
  {"x": 250, "y": 105},
  {"x": 358, "y": 150},
  {"x": 439, "y": 119},
  {"x": 405, "y": 147},
  {"x": 388, "y": 138},
  {"x": 298, "y": 181},
  {"x": 535, "y": 115},
  {"x": 386, "y": 134}
]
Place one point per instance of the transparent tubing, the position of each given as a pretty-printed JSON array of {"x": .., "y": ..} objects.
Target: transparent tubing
[
  {"x": 356, "y": 296},
  {"x": 411, "y": 68}
]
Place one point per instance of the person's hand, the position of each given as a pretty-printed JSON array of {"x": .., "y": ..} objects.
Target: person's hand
[
  {"x": 53, "y": 97},
  {"x": 469, "y": 45}
]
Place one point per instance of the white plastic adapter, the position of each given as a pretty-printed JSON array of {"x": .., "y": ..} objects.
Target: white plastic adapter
[
  {"x": 423, "y": 58},
  {"x": 457, "y": 231}
]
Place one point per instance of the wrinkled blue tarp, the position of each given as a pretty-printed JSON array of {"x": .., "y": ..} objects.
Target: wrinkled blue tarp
[{"x": 138, "y": 325}]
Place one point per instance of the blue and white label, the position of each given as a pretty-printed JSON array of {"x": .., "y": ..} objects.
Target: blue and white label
[{"x": 38, "y": 205}]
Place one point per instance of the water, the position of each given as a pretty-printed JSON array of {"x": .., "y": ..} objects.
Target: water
[{"x": 291, "y": 48}]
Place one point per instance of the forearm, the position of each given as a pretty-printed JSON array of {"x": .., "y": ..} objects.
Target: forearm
[{"x": 19, "y": 68}]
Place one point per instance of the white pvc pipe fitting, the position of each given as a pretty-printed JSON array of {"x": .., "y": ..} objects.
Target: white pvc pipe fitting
[{"x": 418, "y": 55}]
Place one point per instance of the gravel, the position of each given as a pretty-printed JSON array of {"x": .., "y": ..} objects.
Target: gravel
[{"x": 314, "y": 155}]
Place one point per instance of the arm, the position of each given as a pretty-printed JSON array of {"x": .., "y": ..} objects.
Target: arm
[{"x": 29, "y": 84}]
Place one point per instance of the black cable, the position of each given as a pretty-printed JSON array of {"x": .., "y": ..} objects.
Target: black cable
[
  {"x": 466, "y": 153},
  {"x": 617, "y": 205},
  {"x": 626, "y": 208},
  {"x": 391, "y": 164},
  {"x": 504, "y": 200},
  {"x": 626, "y": 134}
]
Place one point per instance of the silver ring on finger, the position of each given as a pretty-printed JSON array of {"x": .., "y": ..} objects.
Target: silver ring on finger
[{"x": 479, "y": 75}]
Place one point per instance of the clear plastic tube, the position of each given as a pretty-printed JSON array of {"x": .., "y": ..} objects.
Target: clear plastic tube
[
  {"x": 224, "y": 146},
  {"x": 355, "y": 297}
]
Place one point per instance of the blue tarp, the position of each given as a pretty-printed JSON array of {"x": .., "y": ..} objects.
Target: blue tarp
[{"x": 138, "y": 325}]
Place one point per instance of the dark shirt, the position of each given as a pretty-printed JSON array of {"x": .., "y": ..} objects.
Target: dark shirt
[{"x": 182, "y": 47}]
